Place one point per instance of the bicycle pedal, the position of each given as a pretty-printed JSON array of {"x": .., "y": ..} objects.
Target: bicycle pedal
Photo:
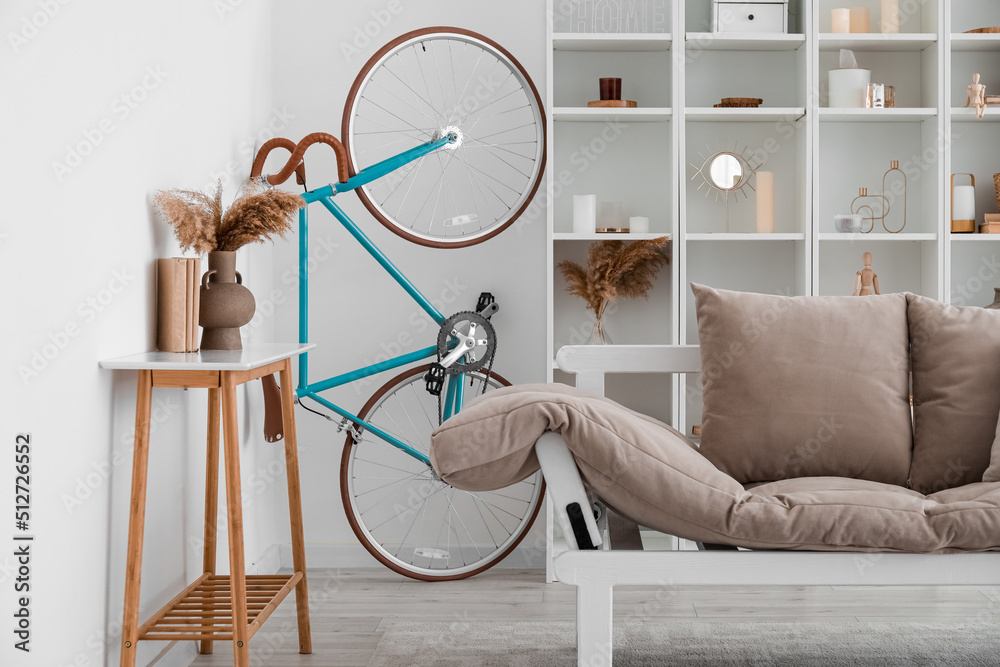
[
  {"x": 434, "y": 378},
  {"x": 487, "y": 305}
]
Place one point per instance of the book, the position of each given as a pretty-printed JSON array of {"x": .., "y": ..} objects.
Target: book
[
  {"x": 171, "y": 306},
  {"x": 196, "y": 298},
  {"x": 189, "y": 305}
]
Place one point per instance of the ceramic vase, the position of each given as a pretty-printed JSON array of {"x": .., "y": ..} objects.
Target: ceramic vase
[{"x": 226, "y": 304}]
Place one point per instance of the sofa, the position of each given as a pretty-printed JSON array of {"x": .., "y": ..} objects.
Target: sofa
[{"x": 829, "y": 424}]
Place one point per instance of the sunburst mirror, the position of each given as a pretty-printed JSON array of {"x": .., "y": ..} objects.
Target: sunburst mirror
[{"x": 726, "y": 173}]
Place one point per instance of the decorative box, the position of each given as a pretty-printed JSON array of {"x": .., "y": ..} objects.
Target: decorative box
[{"x": 750, "y": 16}]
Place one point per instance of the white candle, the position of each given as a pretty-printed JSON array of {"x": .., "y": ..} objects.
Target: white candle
[
  {"x": 861, "y": 19},
  {"x": 841, "y": 20},
  {"x": 584, "y": 214},
  {"x": 638, "y": 224},
  {"x": 890, "y": 16},
  {"x": 765, "y": 202}
]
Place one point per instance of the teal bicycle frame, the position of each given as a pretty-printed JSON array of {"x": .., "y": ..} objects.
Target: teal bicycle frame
[{"x": 305, "y": 389}]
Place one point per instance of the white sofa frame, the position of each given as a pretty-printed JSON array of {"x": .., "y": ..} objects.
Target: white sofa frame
[{"x": 595, "y": 573}]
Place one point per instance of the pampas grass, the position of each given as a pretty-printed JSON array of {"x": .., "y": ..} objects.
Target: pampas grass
[
  {"x": 615, "y": 269},
  {"x": 201, "y": 225}
]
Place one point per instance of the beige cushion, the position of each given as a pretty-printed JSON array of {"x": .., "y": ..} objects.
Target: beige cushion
[
  {"x": 651, "y": 474},
  {"x": 992, "y": 473},
  {"x": 805, "y": 386},
  {"x": 956, "y": 392}
]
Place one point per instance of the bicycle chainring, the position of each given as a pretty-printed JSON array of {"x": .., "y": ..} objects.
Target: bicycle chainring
[{"x": 458, "y": 327}]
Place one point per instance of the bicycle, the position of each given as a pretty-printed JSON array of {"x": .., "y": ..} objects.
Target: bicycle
[{"x": 481, "y": 169}]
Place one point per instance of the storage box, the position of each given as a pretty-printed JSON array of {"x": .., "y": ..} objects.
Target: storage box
[
  {"x": 992, "y": 224},
  {"x": 757, "y": 17}
]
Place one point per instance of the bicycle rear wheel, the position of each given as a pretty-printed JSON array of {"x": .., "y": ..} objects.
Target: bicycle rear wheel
[
  {"x": 404, "y": 514},
  {"x": 422, "y": 86}
]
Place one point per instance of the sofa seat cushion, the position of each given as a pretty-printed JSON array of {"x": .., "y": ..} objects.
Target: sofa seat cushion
[
  {"x": 653, "y": 475},
  {"x": 955, "y": 354},
  {"x": 805, "y": 386}
]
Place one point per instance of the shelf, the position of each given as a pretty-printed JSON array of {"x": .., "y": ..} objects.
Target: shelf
[
  {"x": 746, "y": 237},
  {"x": 960, "y": 115},
  {"x": 744, "y": 115},
  {"x": 876, "y": 115},
  {"x": 876, "y": 42},
  {"x": 603, "y": 115},
  {"x": 204, "y": 609},
  {"x": 975, "y": 238},
  {"x": 975, "y": 42},
  {"x": 569, "y": 236},
  {"x": 877, "y": 236},
  {"x": 587, "y": 41},
  {"x": 737, "y": 41}
]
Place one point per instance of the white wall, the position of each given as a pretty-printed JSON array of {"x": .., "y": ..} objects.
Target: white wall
[
  {"x": 79, "y": 76},
  {"x": 319, "y": 48}
]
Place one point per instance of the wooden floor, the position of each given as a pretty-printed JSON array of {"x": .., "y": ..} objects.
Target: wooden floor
[{"x": 351, "y": 609}]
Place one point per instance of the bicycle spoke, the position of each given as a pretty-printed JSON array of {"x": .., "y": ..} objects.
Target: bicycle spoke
[
  {"x": 409, "y": 507},
  {"x": 384, "y": 465},
  {"x": 409, "y": 84},
  {"x": 462, "y": 522},
  {"x": 405, "y": 122},
  {"x": 427, "y": 415},
  {"x": 412, "y": 425},
  {"x": 472, "y": 74},
  {"x": 426, "y": 117}
]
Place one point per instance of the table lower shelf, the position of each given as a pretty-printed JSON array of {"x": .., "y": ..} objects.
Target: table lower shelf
[{"x": 204, "y": 610}]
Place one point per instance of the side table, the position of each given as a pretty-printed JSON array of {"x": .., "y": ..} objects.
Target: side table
[{"x": 214, "y": 607}]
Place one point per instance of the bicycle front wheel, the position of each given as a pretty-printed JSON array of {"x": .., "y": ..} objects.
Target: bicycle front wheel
[
  {"x": 422, "y": 86},
  {"x": 404, "y": 514}
]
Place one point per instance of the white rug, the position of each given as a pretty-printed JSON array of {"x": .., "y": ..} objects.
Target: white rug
[{"x": 707, "y": 643}]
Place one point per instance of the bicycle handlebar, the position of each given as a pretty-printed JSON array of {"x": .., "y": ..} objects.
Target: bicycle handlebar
[{"x": 295, "y": 163}]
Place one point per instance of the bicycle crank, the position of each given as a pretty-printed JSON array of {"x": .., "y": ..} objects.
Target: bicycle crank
[{"x": 466, "y": 342}]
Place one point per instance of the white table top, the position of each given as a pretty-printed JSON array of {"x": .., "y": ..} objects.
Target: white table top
[{"x": 251, "y": 356}]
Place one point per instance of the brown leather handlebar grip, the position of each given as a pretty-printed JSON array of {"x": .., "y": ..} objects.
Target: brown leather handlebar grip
[
  {"x": 295, "y": 159},
  {"x": 270, "y": 145}
]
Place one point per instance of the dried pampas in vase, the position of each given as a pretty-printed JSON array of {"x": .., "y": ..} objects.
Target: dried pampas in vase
[
  {"x": 614, "y": 269},
  {"x": 201, "y": 225}
]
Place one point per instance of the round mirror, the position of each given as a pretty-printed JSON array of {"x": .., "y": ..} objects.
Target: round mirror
[{"x": 726, "y": 171}]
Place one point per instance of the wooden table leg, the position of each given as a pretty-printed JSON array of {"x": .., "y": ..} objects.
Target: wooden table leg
[
  {"x": 136, "y": 519},
  {"x": 211, "y": 497},
  {"x": 237, "y": 567},
  {"x": 295, "y": 507}
]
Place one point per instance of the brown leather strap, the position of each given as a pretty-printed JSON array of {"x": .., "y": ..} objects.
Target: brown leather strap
[
  {"x": 270, "y": 145},
  {"x": 273, "y": 425},
  {"x": 298, "y": 150}
]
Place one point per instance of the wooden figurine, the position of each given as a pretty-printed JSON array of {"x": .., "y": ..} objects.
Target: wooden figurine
[
  {"x": 866, "y": 280},
  {"x": 976, "y": 96}
]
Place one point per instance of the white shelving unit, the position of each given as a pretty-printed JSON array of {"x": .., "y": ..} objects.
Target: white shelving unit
[{"x": 821, "y": 156}]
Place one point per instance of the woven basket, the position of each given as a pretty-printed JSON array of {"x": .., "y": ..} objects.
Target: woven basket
[{"x": 996, "y": 186}]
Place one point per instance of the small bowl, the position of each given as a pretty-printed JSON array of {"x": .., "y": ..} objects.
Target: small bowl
[{"x": 847, "y": 224}]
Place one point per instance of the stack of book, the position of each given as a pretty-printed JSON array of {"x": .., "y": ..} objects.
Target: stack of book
[
  {"x": 177, "y": 302},
  {"x": 992, "y": 224}
]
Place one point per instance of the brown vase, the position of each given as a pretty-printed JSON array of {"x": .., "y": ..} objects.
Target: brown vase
[
  {"x": 996, "y": 300},
  {"x": 226, "y": 304}
]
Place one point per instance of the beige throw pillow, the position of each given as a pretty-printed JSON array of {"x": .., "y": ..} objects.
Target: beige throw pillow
[
  {"x": 955, "y": 353},
  {"x": 805, "y": 386},
  {"x": 992, "y": 473}
]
